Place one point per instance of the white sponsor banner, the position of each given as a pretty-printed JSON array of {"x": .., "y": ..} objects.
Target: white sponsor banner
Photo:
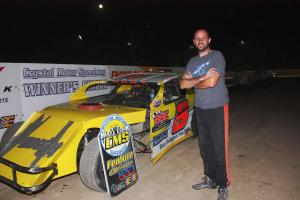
[
  {"x": 28, "y": 87},
  {"x": 48, "y": 84},
  {"x": 10, "y": 103},
  {"x": 115, "y": 71}
]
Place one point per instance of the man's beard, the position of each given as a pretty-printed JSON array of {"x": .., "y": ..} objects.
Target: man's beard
[{"x": 203, "y": 48}]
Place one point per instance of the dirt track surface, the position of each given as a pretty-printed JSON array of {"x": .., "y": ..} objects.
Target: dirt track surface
[{"x": 264, "y": 160}]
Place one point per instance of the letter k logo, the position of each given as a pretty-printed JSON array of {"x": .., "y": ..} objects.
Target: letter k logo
[{"x": 7, "y": 89}]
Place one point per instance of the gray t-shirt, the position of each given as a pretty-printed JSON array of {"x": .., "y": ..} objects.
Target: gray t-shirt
[{"x": 214, "y": 97}]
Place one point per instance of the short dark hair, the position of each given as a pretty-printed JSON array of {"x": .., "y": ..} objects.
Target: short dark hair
[{"x": 202, "y": 29}]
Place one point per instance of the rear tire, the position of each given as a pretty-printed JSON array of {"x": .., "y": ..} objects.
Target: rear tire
[{"x": 90, "y": 167}]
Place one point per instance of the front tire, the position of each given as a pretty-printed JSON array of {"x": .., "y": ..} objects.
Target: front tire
[{"x": 90, "y": 167}]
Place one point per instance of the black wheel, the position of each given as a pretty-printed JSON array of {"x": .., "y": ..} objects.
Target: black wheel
[
  {"x": 90, "y": 134},
  {"x": 9, "y": 133},
  {"x": 90, "y": 167}
]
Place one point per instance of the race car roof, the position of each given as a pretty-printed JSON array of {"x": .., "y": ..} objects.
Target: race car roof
[{"x": 146, "y": 78}]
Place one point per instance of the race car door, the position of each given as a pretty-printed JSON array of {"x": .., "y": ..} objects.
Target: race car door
[{"x": 170, "y": 119}]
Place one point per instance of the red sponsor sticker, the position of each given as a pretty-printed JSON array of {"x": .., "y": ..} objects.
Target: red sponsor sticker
[
  {"x": 181, "y": 117},
  {"x": 7, "y": 121},
  {"x": 182, "y": 106},
  {"x": 161, "y": 116},
  {"x": 121, "y": 73},
  {"x": 180, "y": 121}
]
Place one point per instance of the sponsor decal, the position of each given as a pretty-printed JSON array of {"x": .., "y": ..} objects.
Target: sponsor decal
[
  {"x": 54, "y": 88},
  {"x": 160, "y": 137},
  {"x": 182, "y": 115},
  {"x": 161, "y": 120},
  {"x": 7, "y": 88},
  {"x": 116, "y": 188},
  {"x": 119, "y": 160},
  {"x": 114, "y": 135},
  {"x": 1, "y": 68},
  {"x": 50, "y": 88},
  {"x": 124, "y": 173},
  {"x": 121, "y": 73},
  {"x": 117, "y": 154},
  {"x": 3, "y": 100},
  {"x": 94, "y": 72},
  {"x": 36, "y": 73},
  {"x": 156, "y": 103},
  {"x": 114, "y": 170},
  {"x": 131, "y": 179},
  {"x": 7, "y": 121},
  {"x": 173, "y": 138},
  {"x": 182, "y": 106},
  {"x": 62, "y": 72}
]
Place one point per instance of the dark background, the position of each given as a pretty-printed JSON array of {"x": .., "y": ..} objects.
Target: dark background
[{"x": 251, "y": 34}]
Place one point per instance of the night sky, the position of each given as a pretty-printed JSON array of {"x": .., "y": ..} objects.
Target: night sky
[{"x": 251, "y": 34}]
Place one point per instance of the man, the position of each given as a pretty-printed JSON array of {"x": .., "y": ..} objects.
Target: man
[{"x": 205, "y": 72}]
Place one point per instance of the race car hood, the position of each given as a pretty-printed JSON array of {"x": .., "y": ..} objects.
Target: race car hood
[
  {"x": 84, "y": 110},
  {"x": 55, "y": 122},
  {"x": 52, "y": 135}
]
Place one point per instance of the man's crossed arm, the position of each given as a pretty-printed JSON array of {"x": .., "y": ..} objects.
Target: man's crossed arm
[{"x": 208, "y": 80}]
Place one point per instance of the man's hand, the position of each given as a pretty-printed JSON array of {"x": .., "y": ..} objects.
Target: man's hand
[
  {"x": 209, "y": 80},
  {"x": 205, "y": 81},
  {"x": 211, "y": 73},
  {"x": 187, "y": 81}
]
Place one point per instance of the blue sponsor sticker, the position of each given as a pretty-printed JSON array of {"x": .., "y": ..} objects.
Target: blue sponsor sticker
[
  {"x": 114, "y": 135},
  {"x": 156, "y": 103},
  {"x": 160, "y": 137}
]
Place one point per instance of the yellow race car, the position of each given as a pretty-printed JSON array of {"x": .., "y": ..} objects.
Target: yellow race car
[{"x": 62, "y": 139}]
